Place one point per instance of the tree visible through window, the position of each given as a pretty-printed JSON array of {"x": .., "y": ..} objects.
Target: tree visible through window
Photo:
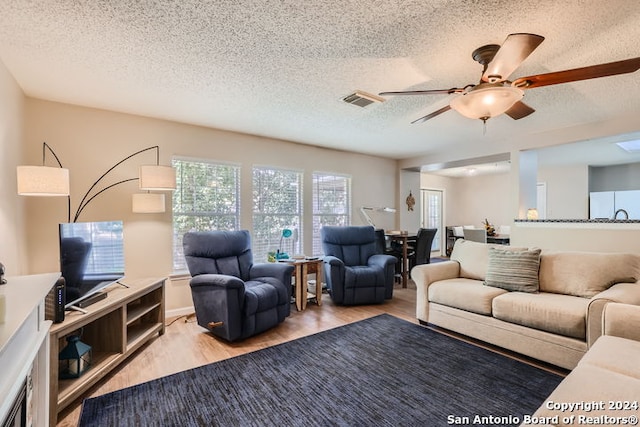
[
  {"x": 331, "y": 204},
  {"x": 277, "y": 205},
  {"x": 207, "y": 198}
]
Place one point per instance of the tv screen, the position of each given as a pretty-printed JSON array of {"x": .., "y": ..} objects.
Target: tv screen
[{"x": 91, "y": 258}]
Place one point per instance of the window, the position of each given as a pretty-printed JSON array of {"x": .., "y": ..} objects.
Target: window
[
  {"x": 207, "y": 197},
  {"x": 277, "y": 205},
  {"x": 331, "y": 204}
]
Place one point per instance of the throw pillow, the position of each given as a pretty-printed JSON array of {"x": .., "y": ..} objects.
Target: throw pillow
[{"x": 513, "y": 270}]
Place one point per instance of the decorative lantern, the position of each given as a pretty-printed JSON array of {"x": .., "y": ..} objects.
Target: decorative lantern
[{"x": 74, "y": 359}]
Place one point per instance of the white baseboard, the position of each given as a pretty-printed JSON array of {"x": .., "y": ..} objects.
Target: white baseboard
[{"x": 177, "y": 312}]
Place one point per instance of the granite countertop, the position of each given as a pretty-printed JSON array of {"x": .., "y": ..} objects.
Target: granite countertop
[{"x": 584, "y": 221}]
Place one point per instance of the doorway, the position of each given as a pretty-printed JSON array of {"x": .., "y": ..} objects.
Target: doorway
[{"x": 431, "y": 215}]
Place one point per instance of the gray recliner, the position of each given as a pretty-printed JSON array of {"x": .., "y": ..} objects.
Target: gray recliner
[
  {"x": 355, "y": 273},
  {"x": 233, "y": 297}
]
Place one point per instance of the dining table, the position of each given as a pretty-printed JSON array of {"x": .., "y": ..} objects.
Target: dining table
[
  {"x": 500, "y": 239},
  {"x": 404, "y": 238}
]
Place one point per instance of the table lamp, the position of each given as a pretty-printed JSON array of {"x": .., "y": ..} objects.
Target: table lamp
[{"x": 286, "y": 233}]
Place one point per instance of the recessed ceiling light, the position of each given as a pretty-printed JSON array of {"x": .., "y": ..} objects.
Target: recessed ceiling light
[{"x": 630, "y": 146}]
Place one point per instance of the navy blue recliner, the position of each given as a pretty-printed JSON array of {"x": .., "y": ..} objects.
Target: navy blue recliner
[
  {"x": 233, "y": 297},
  {"x": 355, "y": 273}
]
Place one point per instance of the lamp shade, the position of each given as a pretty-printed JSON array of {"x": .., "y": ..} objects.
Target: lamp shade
[
  {"x": 42, "y": 181},
  {"x": 483, "y": 102},
  {"x": 157, "y": 177},
  {"x": 148, "y": 203}
]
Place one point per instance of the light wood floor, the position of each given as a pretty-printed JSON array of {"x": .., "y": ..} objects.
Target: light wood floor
[{"x": 186, "y": 345}]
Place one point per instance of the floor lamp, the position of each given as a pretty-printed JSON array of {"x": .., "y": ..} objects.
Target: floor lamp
[
  {"x": 54, "y": 181},
  {"x": 365, "y": 215}
]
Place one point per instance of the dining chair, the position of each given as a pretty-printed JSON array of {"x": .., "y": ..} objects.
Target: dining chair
[
  {"x": 475, "y": 234},
  {"x": 422, "y": 251},
  {"x": 504, "y": 230}
]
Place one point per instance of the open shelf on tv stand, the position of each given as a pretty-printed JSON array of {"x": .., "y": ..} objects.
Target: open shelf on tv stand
[{"x": 114, "y": 327}]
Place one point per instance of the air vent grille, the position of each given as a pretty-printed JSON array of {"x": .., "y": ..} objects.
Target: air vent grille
[{"x": 362, "y": 99}]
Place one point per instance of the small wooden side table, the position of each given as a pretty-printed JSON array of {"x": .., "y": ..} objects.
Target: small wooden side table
[{"x": 302, "y": 269}]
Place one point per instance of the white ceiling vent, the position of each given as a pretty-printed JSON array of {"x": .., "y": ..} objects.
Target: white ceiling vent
[{"x": 362, "y": 99}]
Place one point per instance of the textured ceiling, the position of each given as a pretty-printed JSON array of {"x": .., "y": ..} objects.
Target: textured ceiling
[{"x": 280, "y": 68}]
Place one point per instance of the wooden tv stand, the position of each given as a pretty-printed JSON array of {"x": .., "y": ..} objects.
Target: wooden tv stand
[{"x": 114, "y": 327}]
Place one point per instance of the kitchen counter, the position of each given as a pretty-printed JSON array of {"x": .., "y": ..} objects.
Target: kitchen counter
[{"x": 591, "y": 235}]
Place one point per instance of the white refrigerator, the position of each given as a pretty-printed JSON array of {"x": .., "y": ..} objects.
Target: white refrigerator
[{"x": 604, "y": 204}]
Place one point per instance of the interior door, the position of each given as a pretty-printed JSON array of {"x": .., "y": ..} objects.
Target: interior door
[{"x": 432, "y": 215}]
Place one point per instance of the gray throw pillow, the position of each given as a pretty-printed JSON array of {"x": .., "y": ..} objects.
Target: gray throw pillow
[{"x": 513, "y": 270}]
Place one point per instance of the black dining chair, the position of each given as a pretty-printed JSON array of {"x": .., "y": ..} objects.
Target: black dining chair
[{"x": 422, "y": 250}]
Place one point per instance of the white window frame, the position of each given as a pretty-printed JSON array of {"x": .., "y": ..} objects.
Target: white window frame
[
  {"x": 274, "y": 222},
  {"x": 340, "y": 216},
  {"x": 232, "y": 216}
]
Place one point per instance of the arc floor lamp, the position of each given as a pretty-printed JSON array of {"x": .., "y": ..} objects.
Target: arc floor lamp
[
  {"x": 367, "y": 218},
  {"x": 54, "y": 181}
]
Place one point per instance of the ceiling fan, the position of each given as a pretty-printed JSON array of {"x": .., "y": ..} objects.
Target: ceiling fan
[{"x": 495, "y": 94}]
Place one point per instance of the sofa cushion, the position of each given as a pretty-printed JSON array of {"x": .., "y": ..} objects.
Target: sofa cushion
[
  {"x": 513, "y": 270},
  {"x": 615, "y": 354},
  {"x": 465, "y": 294},
  {"x": 585, "y": 387},
  {"x": 473, "y": 258},
  {"x": 260, "y": 296},
  {"x": 586, "y": 274},
  {"x": 558, "y": 314}
]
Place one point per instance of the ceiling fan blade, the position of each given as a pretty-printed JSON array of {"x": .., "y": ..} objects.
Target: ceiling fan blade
[
  {"x": 425, "y": 92},
  {"x": 432, "y": 115},
  {"x": 577, "y": 74},
  {"x": 519, "y": 110},
  {"x": 515, "y": 49}
]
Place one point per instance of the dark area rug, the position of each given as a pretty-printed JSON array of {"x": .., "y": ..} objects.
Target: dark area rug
[{"x": 381, "y": 371}]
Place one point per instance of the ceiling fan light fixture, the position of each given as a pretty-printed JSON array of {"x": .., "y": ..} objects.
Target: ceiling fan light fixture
[{"x": 486, "y": 102}]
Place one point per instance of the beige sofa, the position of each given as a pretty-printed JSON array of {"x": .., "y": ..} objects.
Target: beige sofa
[
  {"x": 557, "y": 324},
  {"x": 604, "y": 389}
]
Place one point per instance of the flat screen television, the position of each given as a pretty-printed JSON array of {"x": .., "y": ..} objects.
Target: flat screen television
[{"x": 91, "y": 258}]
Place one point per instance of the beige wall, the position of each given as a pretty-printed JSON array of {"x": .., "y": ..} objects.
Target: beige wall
[
  {"x": 409, "y": 183},
  {"x": 12, "y": 226},
  {"x": 89, "y": 141},
  {"x": 469, "y": 200},
  {"x": 567, "y": 191}
]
